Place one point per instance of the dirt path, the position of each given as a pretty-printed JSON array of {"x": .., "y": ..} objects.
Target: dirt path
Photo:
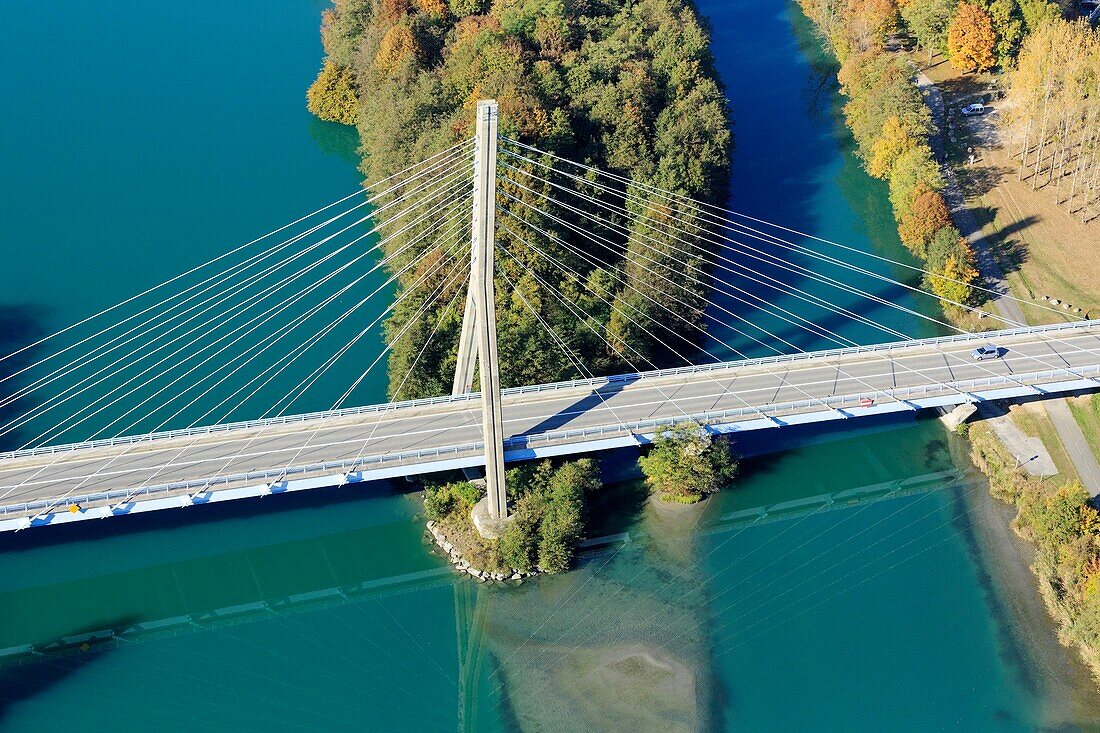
[{"x": 962, "y": 215}]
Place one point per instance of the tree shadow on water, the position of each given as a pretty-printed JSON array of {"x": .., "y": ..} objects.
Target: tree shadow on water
[{"x": 20, "y": 325}]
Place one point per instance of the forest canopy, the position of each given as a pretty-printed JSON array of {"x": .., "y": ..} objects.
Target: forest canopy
[{"x": 628, "y": 87}]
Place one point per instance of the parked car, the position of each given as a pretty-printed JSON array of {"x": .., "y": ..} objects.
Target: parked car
[
  {"x": 971, "y": 110},
  {"x": 989, "y": 351}
]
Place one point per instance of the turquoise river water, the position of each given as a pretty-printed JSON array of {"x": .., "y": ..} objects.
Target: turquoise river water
[{"x": 140, "y": 138}]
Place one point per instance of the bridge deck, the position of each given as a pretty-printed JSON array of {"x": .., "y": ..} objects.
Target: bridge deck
[{"x": 416, "y": 435}]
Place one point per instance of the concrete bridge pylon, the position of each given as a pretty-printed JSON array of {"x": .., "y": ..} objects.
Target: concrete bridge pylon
[{"x": 478, "y": 342}]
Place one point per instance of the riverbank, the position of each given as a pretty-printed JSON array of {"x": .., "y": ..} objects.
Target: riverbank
[
  {"x": 1061, "y": 531},
  {"x": 1052, "y": 671}
]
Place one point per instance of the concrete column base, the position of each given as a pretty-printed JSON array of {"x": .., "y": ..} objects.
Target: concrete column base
[
  {"x": 958, "y": 416},
  {"x": 486, "y": 525}
]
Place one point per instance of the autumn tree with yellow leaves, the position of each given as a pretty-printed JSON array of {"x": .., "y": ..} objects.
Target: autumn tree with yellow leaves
[
  {"x": 970, "y": 39},
  {"x": 332, "y": 96},
  {"x": 1054, "y": 113}
]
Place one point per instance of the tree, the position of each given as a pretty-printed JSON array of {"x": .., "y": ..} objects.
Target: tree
[
  {"x": 927, "y": 20},
  {"x": 944, "y": 243},
  {"x": 1008, "y": 27},
  {"x": 1037, "y": 12},
  {"x": 870, "y": 22},
  {"x": 953, "y": 282},
  {"x": 914, "y": 172},
  {"x": 548, "y": 520},
  {"x": 432, "y": 7},
  {"x": 332, "y": 96},
  {"x": 970, "y": 39},
  {"x": 895, "y": 139},
  {"x": 628, "y": 87},
  {"x": 926, "y": 216},
  {"x": 686, "y": 462},
  {"x": 397, "y": 45}
]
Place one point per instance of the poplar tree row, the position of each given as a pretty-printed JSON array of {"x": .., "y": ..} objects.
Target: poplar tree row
[{"x": 1054, "y": 114}]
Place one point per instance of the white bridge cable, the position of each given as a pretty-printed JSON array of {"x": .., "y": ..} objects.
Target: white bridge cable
[
  {"x": 246, "y": 329},
  {"x": 803, "y": 322},
  {"x": 837, "y": 338},
  {"x": 321, "y": 334},
  {"x": 778, "y": 241},
  {"x": 573, "y": 309},
  {"x": 778, "y": 262},
  {"x": 573, "y": 359},
  {"x": 278, "y": 367},
  {"x": 462, "y": 277},
  {"x": 704, "y": 277},
  {"x": 823, "y": 402},
  {"x": 574, "y": 275},
  {"x": 798, "y": 320},
  {"x": 727, "y": 388},
  {"x": 208, "y": 263},
  {"x": 772, "y": 259},
  {"x": 379, "y": 246},
  {"x": 268, "y": 341},
  {"x": 452, "y": 247},
  {"x": 625, "y": 282},
  {"x": 219, "y": 297},
  {"x": 610, "y": 246},
  {"x": 305, "y": 345},
  {"x": 757, "y": 254},
  {"x": 702, "y": 207},
  {"x": 614, "y": 250},
  {"x": 347, "y": 314},
  {"x": 171, "y": 462},
  {"x": 237, "y": 309},
  {"x": 448, "y": 256}
]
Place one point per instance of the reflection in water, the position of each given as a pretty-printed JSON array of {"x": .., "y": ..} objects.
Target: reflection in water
[{"x": 831, "y": 567}]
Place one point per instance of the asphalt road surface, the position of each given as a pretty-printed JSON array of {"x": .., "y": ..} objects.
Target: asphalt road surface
[{"x": 755, "y": 389}]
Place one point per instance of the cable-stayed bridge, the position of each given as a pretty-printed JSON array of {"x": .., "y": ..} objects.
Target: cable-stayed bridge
[{"x": 453, "y": 227}]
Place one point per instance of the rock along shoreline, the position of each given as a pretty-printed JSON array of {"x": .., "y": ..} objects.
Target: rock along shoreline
[{"x": 461, "y": 565}]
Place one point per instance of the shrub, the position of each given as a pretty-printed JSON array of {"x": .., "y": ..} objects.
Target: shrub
[
  {"x": 686, "y": 462},
  {"x": 548, "y": 519},
  {"x": 441, "y": 501}
]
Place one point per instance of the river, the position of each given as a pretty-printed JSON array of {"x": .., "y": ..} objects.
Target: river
[{"x": 141, "y": 138}]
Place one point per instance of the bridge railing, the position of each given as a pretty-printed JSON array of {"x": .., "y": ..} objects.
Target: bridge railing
[
  {"x": 569, "y": 384},
  {"x": 898, "y": 394}
]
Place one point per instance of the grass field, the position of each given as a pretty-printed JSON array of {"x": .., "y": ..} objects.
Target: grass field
[
  {"x": 1086, "y": 410},
  {"x": 1043, "y": 248}
]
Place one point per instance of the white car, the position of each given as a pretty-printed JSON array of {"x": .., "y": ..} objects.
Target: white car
[
  {"x": 989, "y": 351},
  {"x": 972, "y": 110}
]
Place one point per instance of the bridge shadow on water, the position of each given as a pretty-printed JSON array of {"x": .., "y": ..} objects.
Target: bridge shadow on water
[
  {"x": 594, "y": 400},
  {"x": 204, "y": 514},
  {"x": 29, "y": 677}
]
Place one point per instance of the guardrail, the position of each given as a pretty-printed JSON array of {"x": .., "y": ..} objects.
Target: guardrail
[
  {"x": 641, "y": 426},
  {"x": 536, "y": 388}
]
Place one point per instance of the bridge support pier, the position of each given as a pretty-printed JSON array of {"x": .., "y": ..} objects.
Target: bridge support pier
[{"x": 478, "y": 344}]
